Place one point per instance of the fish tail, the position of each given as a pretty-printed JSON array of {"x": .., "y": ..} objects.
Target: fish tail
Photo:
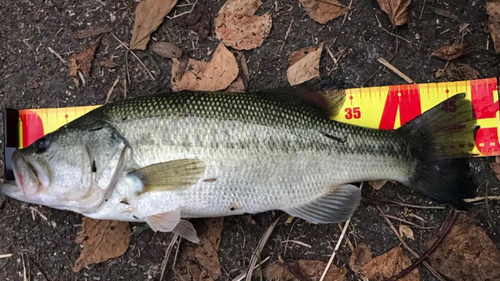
[{"x": 439, "y": 140}]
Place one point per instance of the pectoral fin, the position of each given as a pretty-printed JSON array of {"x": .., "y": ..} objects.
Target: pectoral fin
[
  {"x": 164, "y": 222},
  {"x": 171, "y": 222},
  {"x": 171, "y": 175},
  {"x": 336, "y": 206}
]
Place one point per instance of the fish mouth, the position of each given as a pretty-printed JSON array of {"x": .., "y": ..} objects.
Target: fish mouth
[{"x": 29, "y": 175}]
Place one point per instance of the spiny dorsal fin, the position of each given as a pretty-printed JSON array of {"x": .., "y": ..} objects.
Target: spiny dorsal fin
[
  {"x": 317, "y": 93},
  {"x": 171, "y": 175}
]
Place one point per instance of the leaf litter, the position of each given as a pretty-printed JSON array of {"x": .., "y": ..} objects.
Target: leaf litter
[
  {"x": 82, "y": 62},
  {"x": 397, "y": 10},
  {"x": 92, "y": 31},
  {"x": 304, "y": 65},
  {"x": 215, "y": 75},
  {"x": 451, "y": 52},
  {"x": 458, "y": 71},
  {"x": 201, "y": 261},
  {"x": 307, "y": 269},
  {"x": 324, "y": 11},
  {"x": 466, "y": 253},
  {"x": 149, "y": 14},
  {"x": 238, "y": 27},
  {"x": 493, "y": 10},
  {"x": 361, "y": 255},
  {"x": 101, "y": 240},
  {"x": 166, "y": 50},
  {"x": 388, "y": 264}
]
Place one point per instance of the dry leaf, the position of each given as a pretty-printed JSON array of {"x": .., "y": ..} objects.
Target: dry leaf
[
  {"x": 110, "y": 63},
  {"x": 493, "y": 9},
  {"x": 295, "y": 56},
  {"x": 166, "y": 50},
  {"x": 83, "y": 61},
  {"x": 305, "y": 69},
  {"x": 215, "y": 75},
  {"x": 406, "y": 231},
  {"x": 239, "y": 85},
  {"x": 458, "y": 72},
  {"x": 310, "y": 269},
  {"x": 466, "y": 253},
  {"x": 388, "y": 264},
  {"x": 450, "y": 52},
  {"x": 198, "y": 20},
  {"x": 91, "y": 31},
  {"x": 361, "y": 255},
  {"x": 397, "y": 10},
  {"x": 238, "y": 27},
  {"x": 201, "y": 261},
  {"x": 149, "y": 15},
  {"x": 324, "y": 11},
  {"x": 102, "y": 240},
  {"x": 378, "y": 184}
]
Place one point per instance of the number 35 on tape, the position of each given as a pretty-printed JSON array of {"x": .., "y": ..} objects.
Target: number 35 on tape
[{"x": 389, "y": 107}]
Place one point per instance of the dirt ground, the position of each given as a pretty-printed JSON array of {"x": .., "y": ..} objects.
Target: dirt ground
[{"x": 31, "y": 77}]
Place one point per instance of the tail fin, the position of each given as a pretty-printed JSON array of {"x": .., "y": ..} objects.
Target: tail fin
[{"x": 440, "y": 134}]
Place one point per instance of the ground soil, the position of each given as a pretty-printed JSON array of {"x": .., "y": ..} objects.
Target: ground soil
[{"x": 31, "y": 77}]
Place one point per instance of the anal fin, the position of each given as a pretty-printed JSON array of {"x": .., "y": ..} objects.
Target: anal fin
[
  {"x": 336, "y": 206},
  {"x": 172, "y": 222}
]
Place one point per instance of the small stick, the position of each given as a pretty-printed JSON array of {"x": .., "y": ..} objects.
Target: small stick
[
  {"x": 140, "y": 61},
  {"x": 335, "y": 250},
  {"x": 447, "y": 225},
  {"x": 167, "y": 255},
  {"x": 417, "y": 206},
  {"x": 428, "y": 266},
  {"x": 409, "y": 222},
  {"x": 351, "y": 246},
  {"x": 57, "y": 55},
  {"x": 110, "y": 91},
  {"x": 481, "y": 198},
  {"x": 298, "y": 243},
  {"x": 286, "y": 35},
  {"x": 241, "y": 276},
  {"x": 395, "y": 70},
  {"x": 345, "y": 16},
  {"x": 3, "y": 256},
  {"x": 422, "y": 11},
  {"x": 260, "y": 247}
]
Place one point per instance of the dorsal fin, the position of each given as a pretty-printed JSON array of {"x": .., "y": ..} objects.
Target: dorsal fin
[{"x": 317, "y": 93}]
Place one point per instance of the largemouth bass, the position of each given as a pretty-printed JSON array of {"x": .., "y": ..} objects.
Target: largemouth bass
[{"x": 167, "y": 157}]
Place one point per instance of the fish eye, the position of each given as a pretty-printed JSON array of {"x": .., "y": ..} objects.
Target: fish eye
[{"x": 43, "y": 144}]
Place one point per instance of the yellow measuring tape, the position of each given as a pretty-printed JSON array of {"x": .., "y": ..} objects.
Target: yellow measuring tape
[{"x": 386, "y": 107}]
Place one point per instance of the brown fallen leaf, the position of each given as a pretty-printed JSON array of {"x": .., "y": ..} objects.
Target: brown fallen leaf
[
  {"x": 378, "y": 184},
  {"x": 466, "y": 253},
  {"x": 309, "y": 269},
  {"x": 406, "y": 231},
  {"x": 91, "y": 31},
  {"x": 109, "y": 63},
  {"x": 149, "y": 14},
  {"x": 238, "y": 27},
  {"x": 102, "y": 240},
  {"x": 166, "y": 50},
  {"x": 198, "y": 20},
  {"x": 450, "y": 52},
  {"x": 397, "y": 10},
  {"x": 83, "y": 61},
  {"x": 324, "y": 11},
  {"x": 458, "y": 72},
  {"x": 493, "y": 10},
  {"x": 361, "y": 255},
  {"x": 495, "y": 167},
  {"x": 215, "y": 75},
  {"x": 239, "y": 84},
  {"x": 306, "y": 68},
  {"x": 201, "y": 261},
  {"x": 388, "y": 264},
  {"x": 295, "y": 56}
]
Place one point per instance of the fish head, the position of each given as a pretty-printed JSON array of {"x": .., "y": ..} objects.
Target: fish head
[{"x": 73, "y": 168}]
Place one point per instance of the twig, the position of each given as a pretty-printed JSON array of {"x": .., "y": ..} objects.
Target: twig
[
  {"x": 57, "y": 55},
  {"x": 417, "y": 206},
  {"x": 395, "y": 70},
  {"x": 258, "y": 250},
  {"x": 447, "y": 225},
  {"x": 428, "y": 266},
  {"x": 395, "y": 35},
  {"x": 286, "y": 35},
  {"x": 242, "y": 276},
  {"x": 481, "y": 198},
  {"x": 184, "y": 13},
  {"x": 167, "y": 255},
  {"x": 40, "y": 269},
  {"x": 110, "y": 91},
  {"x": 345, "y": 16},
  {"x": 335, "y": 250},
  {"x": 3, "y": 256},
  {"x": 132, "y": 52},
  {"x": 298, "y": 243},
  {"x": 422, "y": 11},
  {"x": 351, "y": 246},
  {"x": 410, "y": 223},
  {"x": 25, "y": 278}
]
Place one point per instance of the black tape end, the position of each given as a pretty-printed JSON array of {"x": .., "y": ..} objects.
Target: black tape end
[{"x": 11, "y": 140}]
